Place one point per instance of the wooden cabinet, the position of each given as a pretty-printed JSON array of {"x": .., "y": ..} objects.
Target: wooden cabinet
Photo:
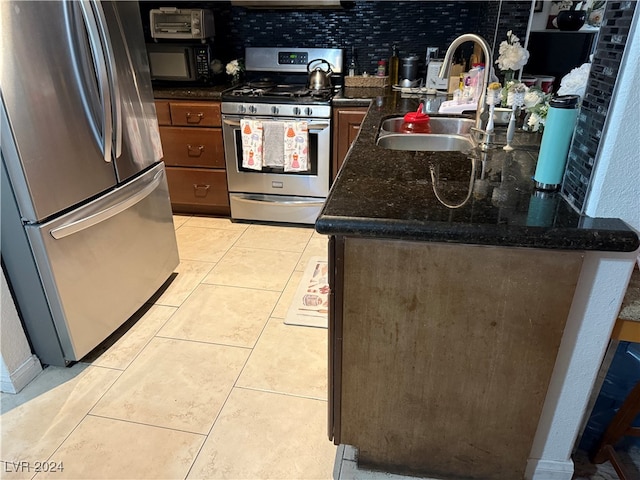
[
  {"x": 191, "y": 137},
  {"x": 441, "y": 355},
  {"x": 346, "y": 123}
]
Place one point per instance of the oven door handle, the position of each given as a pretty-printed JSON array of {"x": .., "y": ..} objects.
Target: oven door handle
[
  {"x": 231, "y": 123},
  {"x": 312, "y": 126}
]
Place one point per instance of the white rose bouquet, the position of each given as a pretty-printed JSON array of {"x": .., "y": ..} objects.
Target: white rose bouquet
[
  {"x": 513, "y": 56},
  {"x": 235, "y": 69},
  {"x": 575, "y": 82},
  {"x": 536, "y": 102}
]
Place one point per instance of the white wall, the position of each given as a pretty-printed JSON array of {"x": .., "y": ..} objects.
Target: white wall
[{"x": 18, "y": 366}]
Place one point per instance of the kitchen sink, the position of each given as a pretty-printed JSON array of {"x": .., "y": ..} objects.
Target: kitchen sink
[
  {"x": 426, "y": 142},
  {"x": 448, "y": 134},
  {"x": 439, "y": 125}
]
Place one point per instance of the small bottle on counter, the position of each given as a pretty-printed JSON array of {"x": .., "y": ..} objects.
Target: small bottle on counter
[
  {"x": 352, "y": 64},
  {"x": 382, "y": 68},
  {"x": 394, "y": 63}
]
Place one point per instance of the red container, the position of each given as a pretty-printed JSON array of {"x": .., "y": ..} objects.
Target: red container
[{"x": 416, "y": 122}]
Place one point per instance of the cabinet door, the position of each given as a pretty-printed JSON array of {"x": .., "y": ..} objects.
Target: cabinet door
[
  {"x": 192, "y": 147},
  {"x": 163, "y": 113},
  {"x": 347, "y": 122},
  {"x": 195, "y": 114},
  {"x": 197, "y": 187}
]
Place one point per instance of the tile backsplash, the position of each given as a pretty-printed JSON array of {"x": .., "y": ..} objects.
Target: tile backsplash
[
  {"x": 371, "y": 27},
  {"x": 606, "y": 63}
]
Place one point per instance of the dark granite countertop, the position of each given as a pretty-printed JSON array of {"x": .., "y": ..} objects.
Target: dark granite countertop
[
  {"x": 213, "y": 92},
  {"x": 482, "y": 198}
]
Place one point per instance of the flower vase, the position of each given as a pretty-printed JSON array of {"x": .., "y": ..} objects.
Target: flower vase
[
  {"x": 509, "y": 76},
  {"x": 236, "y": 80}
]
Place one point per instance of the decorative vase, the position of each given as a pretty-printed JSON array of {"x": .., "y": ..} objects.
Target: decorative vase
[
  {"x": 236, "y": 79},
  {"x": 509, "y": 75},
  {"x": 571, "y": 20}
]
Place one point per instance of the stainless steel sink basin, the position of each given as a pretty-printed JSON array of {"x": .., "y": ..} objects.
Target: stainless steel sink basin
[
  {"x": 439, "y": 125},
  {"x": 426, "y": 142},
  {"x": 450, "y": 134}
]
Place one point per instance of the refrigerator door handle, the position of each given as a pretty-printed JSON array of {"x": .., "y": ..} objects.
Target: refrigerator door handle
[
  {"x": 93, "y": 34},
  {"x": 94, "y": 219},
  {"x": 112, "y": 74}
]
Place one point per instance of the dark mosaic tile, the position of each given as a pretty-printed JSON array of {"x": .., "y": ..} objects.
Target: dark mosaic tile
[{"x": 591, "y": 120}]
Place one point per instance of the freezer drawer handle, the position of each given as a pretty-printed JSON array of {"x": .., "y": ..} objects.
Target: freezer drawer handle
[
  {"x": 107, "y": 213},
  {"x": 194, "y": 152},
  {"x": 200, "y": 190},
  {"x": 194, "y": 117}
]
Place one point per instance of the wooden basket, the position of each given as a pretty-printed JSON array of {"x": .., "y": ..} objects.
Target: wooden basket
[{"x": 371, "y": 81}]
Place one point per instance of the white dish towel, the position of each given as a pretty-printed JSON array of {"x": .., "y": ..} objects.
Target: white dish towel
[
  {"x": 251, "y": 132},
  {"x": 296, "y": 147}
]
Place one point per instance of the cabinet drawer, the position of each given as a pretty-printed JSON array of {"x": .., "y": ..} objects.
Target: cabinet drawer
[
  {"x": 195, "y": 114},
  {"x": 163, "y": 113},
  {"x": 197, "y": 186},
  {"x": 192, "y": 147}
]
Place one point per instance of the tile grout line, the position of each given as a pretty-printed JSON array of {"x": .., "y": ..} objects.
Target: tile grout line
[{"x": 275, "y": 392}]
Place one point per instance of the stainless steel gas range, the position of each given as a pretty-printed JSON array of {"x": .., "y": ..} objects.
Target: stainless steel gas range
[{"x": 277, "y": 136}]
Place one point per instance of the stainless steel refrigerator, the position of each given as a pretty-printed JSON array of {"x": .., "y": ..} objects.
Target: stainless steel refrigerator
[{"x": 87, "y": 230}]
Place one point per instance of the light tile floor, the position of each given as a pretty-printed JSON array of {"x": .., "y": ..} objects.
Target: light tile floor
[{"x": 206, "y": 382}]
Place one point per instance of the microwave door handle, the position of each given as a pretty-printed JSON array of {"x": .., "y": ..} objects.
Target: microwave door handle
[
  {"x": 112, "y": 73},
  {"x": 100, "y": 65}
]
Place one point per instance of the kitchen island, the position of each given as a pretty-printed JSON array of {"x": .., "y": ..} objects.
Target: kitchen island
[{"x": 456, "y": 315}]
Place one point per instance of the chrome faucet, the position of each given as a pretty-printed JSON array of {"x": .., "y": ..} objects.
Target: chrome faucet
[{"x": 489, "y": 75}]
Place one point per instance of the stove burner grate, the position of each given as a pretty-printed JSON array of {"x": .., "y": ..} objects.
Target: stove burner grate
[{"x": 270, "y": 89}]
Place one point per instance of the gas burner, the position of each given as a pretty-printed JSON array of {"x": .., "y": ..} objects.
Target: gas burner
[
  {"x": 261, "y": 84},
  {"x": 248, "y": 91},
  {"x": 260, "y": 90}
]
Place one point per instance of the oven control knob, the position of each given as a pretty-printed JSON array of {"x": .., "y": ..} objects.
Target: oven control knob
[
  {"x": 297, "y": 111},
  {"x": 252, "y": 109},
  {"x": 242, "y": 109},
  {"x": 275, "y": 110},
  {"x": 308, "y": 111}
]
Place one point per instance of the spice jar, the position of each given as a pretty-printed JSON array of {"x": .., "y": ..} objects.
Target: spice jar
[
  {"x": 382, "y": 68},
  {"x": 416, "y": 122}
]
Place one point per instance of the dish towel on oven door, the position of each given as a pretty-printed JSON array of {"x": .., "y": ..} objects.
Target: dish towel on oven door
[
  {"x": 296, "y": 147},
  {"x": 273, "y": 144},
  {"x": 251, "y": 132}
]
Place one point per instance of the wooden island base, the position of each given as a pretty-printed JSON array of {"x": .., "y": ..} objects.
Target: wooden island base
[{"x": 441, "y": 354}]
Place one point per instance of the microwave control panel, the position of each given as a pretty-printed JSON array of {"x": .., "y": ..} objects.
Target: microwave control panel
[{"x": 202, "y": 62}]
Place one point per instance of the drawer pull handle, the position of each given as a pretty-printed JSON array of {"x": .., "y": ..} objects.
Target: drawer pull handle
[
  {"x": 200, "y": 190},
  {"x": 194, "y": 117},
  {"x": 194, "y": 152}
]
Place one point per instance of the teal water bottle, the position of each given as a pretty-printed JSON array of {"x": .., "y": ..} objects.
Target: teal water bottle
[{"x": 556, "y": 139}]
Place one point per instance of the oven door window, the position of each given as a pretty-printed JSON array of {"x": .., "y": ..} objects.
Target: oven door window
[{"x": 313, "y": 157}]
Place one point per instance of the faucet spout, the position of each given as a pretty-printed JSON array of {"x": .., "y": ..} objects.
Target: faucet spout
[{"x": 489, "y": 75}]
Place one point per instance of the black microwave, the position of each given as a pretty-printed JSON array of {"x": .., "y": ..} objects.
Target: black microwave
[{"x": 179, "y": 62}]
